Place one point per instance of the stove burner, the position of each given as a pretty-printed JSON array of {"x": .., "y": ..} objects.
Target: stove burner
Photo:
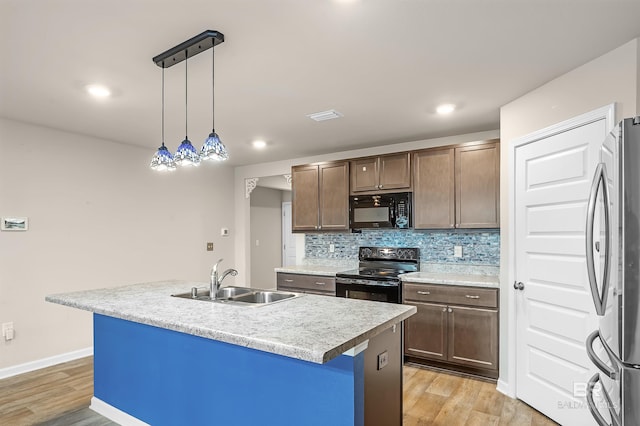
[{"x": 384, "y": 263}]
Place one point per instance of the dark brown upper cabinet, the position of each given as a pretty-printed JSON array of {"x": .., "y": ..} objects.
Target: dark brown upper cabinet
[
  {"x": 380, "y": 174},
  {"x": 478, "y": 186},
  {"x": 457, "y": 187},
  {"x": 320, "y": 197}
]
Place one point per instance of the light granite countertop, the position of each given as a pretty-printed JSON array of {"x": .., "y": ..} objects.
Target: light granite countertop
[
  {"x": 490, "y": 281},
  {"x": 311, "y": 328},
  {"x": 326, "y": 270}
]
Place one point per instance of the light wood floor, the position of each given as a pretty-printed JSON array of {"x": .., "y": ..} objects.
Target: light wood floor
[
  {"x": 41, "y": 395},
  {"x": 435, "y": 398},
  {"x": 59, "y": 395}
]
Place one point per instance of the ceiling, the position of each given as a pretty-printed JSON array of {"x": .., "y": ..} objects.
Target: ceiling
[{"x": 384, "y": 64}]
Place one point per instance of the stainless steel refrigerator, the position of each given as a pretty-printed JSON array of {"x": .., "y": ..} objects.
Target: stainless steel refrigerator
[{"x": 613, "y": 266}]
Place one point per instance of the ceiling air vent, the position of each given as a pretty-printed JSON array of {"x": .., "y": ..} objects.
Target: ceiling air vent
[{"x": 325, "y": 115}]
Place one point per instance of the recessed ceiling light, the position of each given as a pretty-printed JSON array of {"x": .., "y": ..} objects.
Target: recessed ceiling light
[
  {"x": 445, "y": 109},
  {"x": 98, "y": 91},
  {"x": 325, "y": 115},
  {"x": 259, "y": 144}
]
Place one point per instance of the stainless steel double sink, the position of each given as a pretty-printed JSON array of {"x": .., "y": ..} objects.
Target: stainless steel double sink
[{"x": 243, "y": 296}]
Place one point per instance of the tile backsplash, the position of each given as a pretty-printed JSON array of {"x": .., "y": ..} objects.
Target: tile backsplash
[{"x": 480, "y": 247}]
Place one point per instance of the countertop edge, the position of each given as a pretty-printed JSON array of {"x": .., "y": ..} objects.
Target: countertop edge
[
  {"x": 329, "y": 355},
  {"x": 297, "y": 352},
  {"x": 312, "y": 270},
  {"x": 464, "y": 280}
]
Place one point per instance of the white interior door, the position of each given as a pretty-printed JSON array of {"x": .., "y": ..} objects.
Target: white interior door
[
  {"x": 554, "y": 310},
  {"x": 288, "y": 238}
]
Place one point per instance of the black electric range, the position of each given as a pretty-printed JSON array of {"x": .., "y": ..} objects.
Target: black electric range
[{"x": 377, "y": 276}]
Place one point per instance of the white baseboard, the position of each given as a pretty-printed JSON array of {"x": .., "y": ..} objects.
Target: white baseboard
[
  {"x": 45, "y": 362},
  {"x": 503, "y": 387},
  {"x": 113, "y": 414}
]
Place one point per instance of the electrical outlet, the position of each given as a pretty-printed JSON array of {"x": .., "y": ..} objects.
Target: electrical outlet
[
  {"x": 332, "y": 248},
  {"x": 457, "y": 251},
  {"x": 209, "y": 246},
  {"x": 7, "y": 330},
  {"x": 383, "y": 360}
]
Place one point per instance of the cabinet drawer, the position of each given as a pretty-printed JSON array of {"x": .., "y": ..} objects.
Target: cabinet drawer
[
  {"x": 317, "y": 283},
  {"x": 453, "y": 295}
]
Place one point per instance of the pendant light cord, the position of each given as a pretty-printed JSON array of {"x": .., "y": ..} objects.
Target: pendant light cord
[
  {"x": 213, "y": 92},
  {"x": 162, "y": 103},
  {"x": 186, "y": 93}
]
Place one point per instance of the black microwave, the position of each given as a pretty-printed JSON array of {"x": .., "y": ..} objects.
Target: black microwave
[{"x": 391, "y": 210}]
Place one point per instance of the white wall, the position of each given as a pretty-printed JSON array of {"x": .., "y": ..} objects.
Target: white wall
[
  {"x": 98, "y": 217},
  {"x": 610, "y": 78},
  {"x": 266, "y": 228}
]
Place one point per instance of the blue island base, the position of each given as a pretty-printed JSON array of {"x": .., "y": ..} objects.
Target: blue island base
[{"x": 164, "y": 377}]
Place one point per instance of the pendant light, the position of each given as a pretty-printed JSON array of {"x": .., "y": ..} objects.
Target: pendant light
[
  {"x": 163, "y": 160},
  {"x": 213, "y": 148},
  {"x": 186, "y": 155}
]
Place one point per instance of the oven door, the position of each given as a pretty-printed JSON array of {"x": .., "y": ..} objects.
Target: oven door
[{"x": 368, "y": 290}]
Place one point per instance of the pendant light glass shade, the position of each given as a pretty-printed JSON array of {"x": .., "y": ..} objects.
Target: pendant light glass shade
[
  {"x": 187, "y": 154},
  {"x": 213, "y": 148},
  {"x": 163, "y": 160}
]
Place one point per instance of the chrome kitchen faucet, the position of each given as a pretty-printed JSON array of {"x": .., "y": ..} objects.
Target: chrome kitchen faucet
[{"x": 216, "y": 281}]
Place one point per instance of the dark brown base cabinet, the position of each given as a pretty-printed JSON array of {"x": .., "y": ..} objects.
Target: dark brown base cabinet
[
  {"x": 456, "y": 327},
  {"x": 301, "y": 283}
]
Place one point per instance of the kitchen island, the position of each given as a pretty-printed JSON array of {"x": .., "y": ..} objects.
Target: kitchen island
[{"x": 308, "y": 360}]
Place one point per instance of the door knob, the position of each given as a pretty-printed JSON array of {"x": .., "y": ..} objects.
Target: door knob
[{"x": 518, "y": 285}]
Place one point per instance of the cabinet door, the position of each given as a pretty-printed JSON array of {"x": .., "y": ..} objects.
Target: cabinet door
[
  {"x": 364, "y": 174},
  {"x": 473, "y": 337},
  {"x": 426, "y": 332},
  {"x": 334, "y": 196},
  {"x": 304, "y": 196},
  {"x": 434, "y": 190},
  {"x": 478, "y": 186},
  {"x": 395, "y": 171}
]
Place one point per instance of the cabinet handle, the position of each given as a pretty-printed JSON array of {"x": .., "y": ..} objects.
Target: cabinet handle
[
  {"x": 379, "y": 186},
  {"x": 450, "y": 310},
  {"x": 424, "y": 292},
  {"x": 288, "y": 280},
  {"x": 444, "y": 309},
  {"x": 472, "y": 297},
  {"x": 319, "y": 283}
]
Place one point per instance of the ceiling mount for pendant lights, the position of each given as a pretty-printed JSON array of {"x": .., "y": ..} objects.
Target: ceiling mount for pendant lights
[{"x": 213, "y": 148}]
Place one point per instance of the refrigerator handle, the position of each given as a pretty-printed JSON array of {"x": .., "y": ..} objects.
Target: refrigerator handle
[
  {"x": 611, "y": 372},
  {"x": 599, "y": 299},
  {"x": 615, "y": 418}
]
